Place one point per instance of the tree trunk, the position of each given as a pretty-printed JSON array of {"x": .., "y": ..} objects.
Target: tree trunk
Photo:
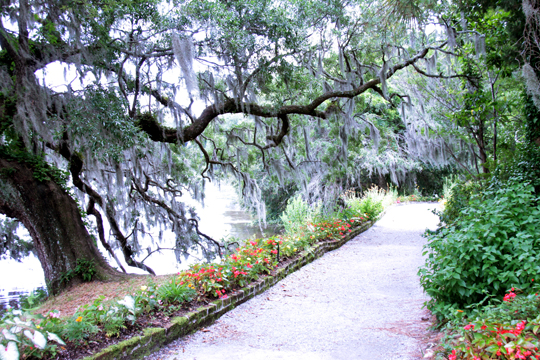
[{"x": 53, "y": 220}]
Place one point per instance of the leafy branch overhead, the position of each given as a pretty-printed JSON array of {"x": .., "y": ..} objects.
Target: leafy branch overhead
[{"x": 144, "y": 101}]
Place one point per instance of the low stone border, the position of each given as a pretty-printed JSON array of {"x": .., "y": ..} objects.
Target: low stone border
[{"x": 154, "y": 338}]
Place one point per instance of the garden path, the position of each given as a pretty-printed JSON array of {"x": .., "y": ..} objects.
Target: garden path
[{"x": 361, "y": 301}]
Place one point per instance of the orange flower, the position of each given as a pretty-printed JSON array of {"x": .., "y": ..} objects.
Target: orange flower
[{"x": 79, "y": 319}]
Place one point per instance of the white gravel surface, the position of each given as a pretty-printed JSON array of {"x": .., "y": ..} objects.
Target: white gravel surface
[{"x": 361, "y": 301}]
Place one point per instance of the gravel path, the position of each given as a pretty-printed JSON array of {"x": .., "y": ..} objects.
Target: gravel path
[{"x": 361, "y": 301}]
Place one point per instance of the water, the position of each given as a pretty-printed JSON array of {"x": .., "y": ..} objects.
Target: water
[
  {"x": 221, "y": 217},
  {"x": 19, "y": 278}
]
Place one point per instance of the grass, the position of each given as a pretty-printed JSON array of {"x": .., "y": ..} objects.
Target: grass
[{"x": 70, "y": 300}]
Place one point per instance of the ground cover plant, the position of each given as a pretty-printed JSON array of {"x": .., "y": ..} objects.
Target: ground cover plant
[
  {"x": 30, "y": 335},
  {"x": 507, "y": 329}
]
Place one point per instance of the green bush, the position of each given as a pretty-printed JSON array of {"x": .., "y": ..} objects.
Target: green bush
[
  {"x": 460, "y": 194},
  {"x": 85, "y": 269},
  {"x": 175, "y": 293},
  {"x": 296, "y": 215},
  {"x": 494, "y": 246},
  {"x": 33, "y": 299},
  {"x": 505, "y": 330}
]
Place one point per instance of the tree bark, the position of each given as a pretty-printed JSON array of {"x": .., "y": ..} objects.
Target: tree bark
[{"x": 54, "y": 222}]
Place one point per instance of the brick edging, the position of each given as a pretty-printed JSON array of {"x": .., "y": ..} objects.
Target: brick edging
[{"x": 154, "y": 338}]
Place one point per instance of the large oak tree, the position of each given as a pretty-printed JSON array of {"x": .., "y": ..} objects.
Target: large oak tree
[{"x": 140, "y": 117}]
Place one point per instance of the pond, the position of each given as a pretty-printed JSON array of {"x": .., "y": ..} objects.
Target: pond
[{"x": 221, "y": 217}]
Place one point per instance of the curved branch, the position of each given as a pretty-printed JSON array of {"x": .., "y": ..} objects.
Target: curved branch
[
  {"x": 126, "y": 248},
  {"x": 101, "y": 232},
  {"x": 160, "y": 133},
  {"x": 75, "y": 168},
  {"x": 219, "y": 246}
]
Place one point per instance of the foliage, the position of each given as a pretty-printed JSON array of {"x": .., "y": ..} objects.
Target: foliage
[
  {"x": 33, "y": 299},
  {"x": 11, "y": 244},
  {"x": 147, "y": 298},
  {"x": 85, "y": 270},
  {"x": 78, "y": 328},
  {"x": 506, "y": 330},
  {"x": 296, "y": 214},
  {"x": 486, "y": 250},
  {"x": 372, "y": 203},
  {"x": 22, "y": 337},
  {"x": 457, "y": 200},
  {"x": 174, "y": 293}
]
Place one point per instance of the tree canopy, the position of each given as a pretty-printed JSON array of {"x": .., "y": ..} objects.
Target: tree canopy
[{"x": 159, "y": 97}]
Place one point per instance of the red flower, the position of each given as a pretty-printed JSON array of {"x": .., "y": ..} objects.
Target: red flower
[
  {"x": 509, "y": 296},
  {"x": 470, "y": 326}
]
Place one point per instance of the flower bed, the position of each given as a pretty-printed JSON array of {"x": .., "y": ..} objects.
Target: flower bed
[{"x": 212, "y": 289}]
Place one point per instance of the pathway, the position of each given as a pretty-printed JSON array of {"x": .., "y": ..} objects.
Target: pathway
[{"x": 361, "y": 301}]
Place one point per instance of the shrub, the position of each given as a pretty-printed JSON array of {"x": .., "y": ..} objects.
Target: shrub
[
  {"x": 371, "y": 204},
  {"x": 457, "y": 197},
  {"x": 508, "y": 330},
  {"x": 296, "y": 214},
  {"x": 494, "y": 247}
]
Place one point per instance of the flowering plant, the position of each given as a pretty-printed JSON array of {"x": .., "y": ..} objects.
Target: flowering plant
[
  {"x": 22, "y": 337},
  {"x": 499, "y": 333}
]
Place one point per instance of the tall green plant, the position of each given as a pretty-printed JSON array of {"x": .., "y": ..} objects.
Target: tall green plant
[
  {"x": 296, "y": 215},
  {"x": 492, "y": 247}
]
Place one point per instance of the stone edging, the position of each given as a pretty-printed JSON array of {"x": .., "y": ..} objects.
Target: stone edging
[{"x": 154, "y": 338}]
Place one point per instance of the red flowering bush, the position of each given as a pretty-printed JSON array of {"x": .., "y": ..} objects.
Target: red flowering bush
[
  {"x": 506, "y": 331},
  {"x": 238, "y": 269}
]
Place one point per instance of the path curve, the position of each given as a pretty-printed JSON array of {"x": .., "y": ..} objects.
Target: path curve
[{"x": 361, "y": 301}]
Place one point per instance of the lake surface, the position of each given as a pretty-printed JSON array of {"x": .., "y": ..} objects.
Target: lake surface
[{"x": 221, "y": 217}]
